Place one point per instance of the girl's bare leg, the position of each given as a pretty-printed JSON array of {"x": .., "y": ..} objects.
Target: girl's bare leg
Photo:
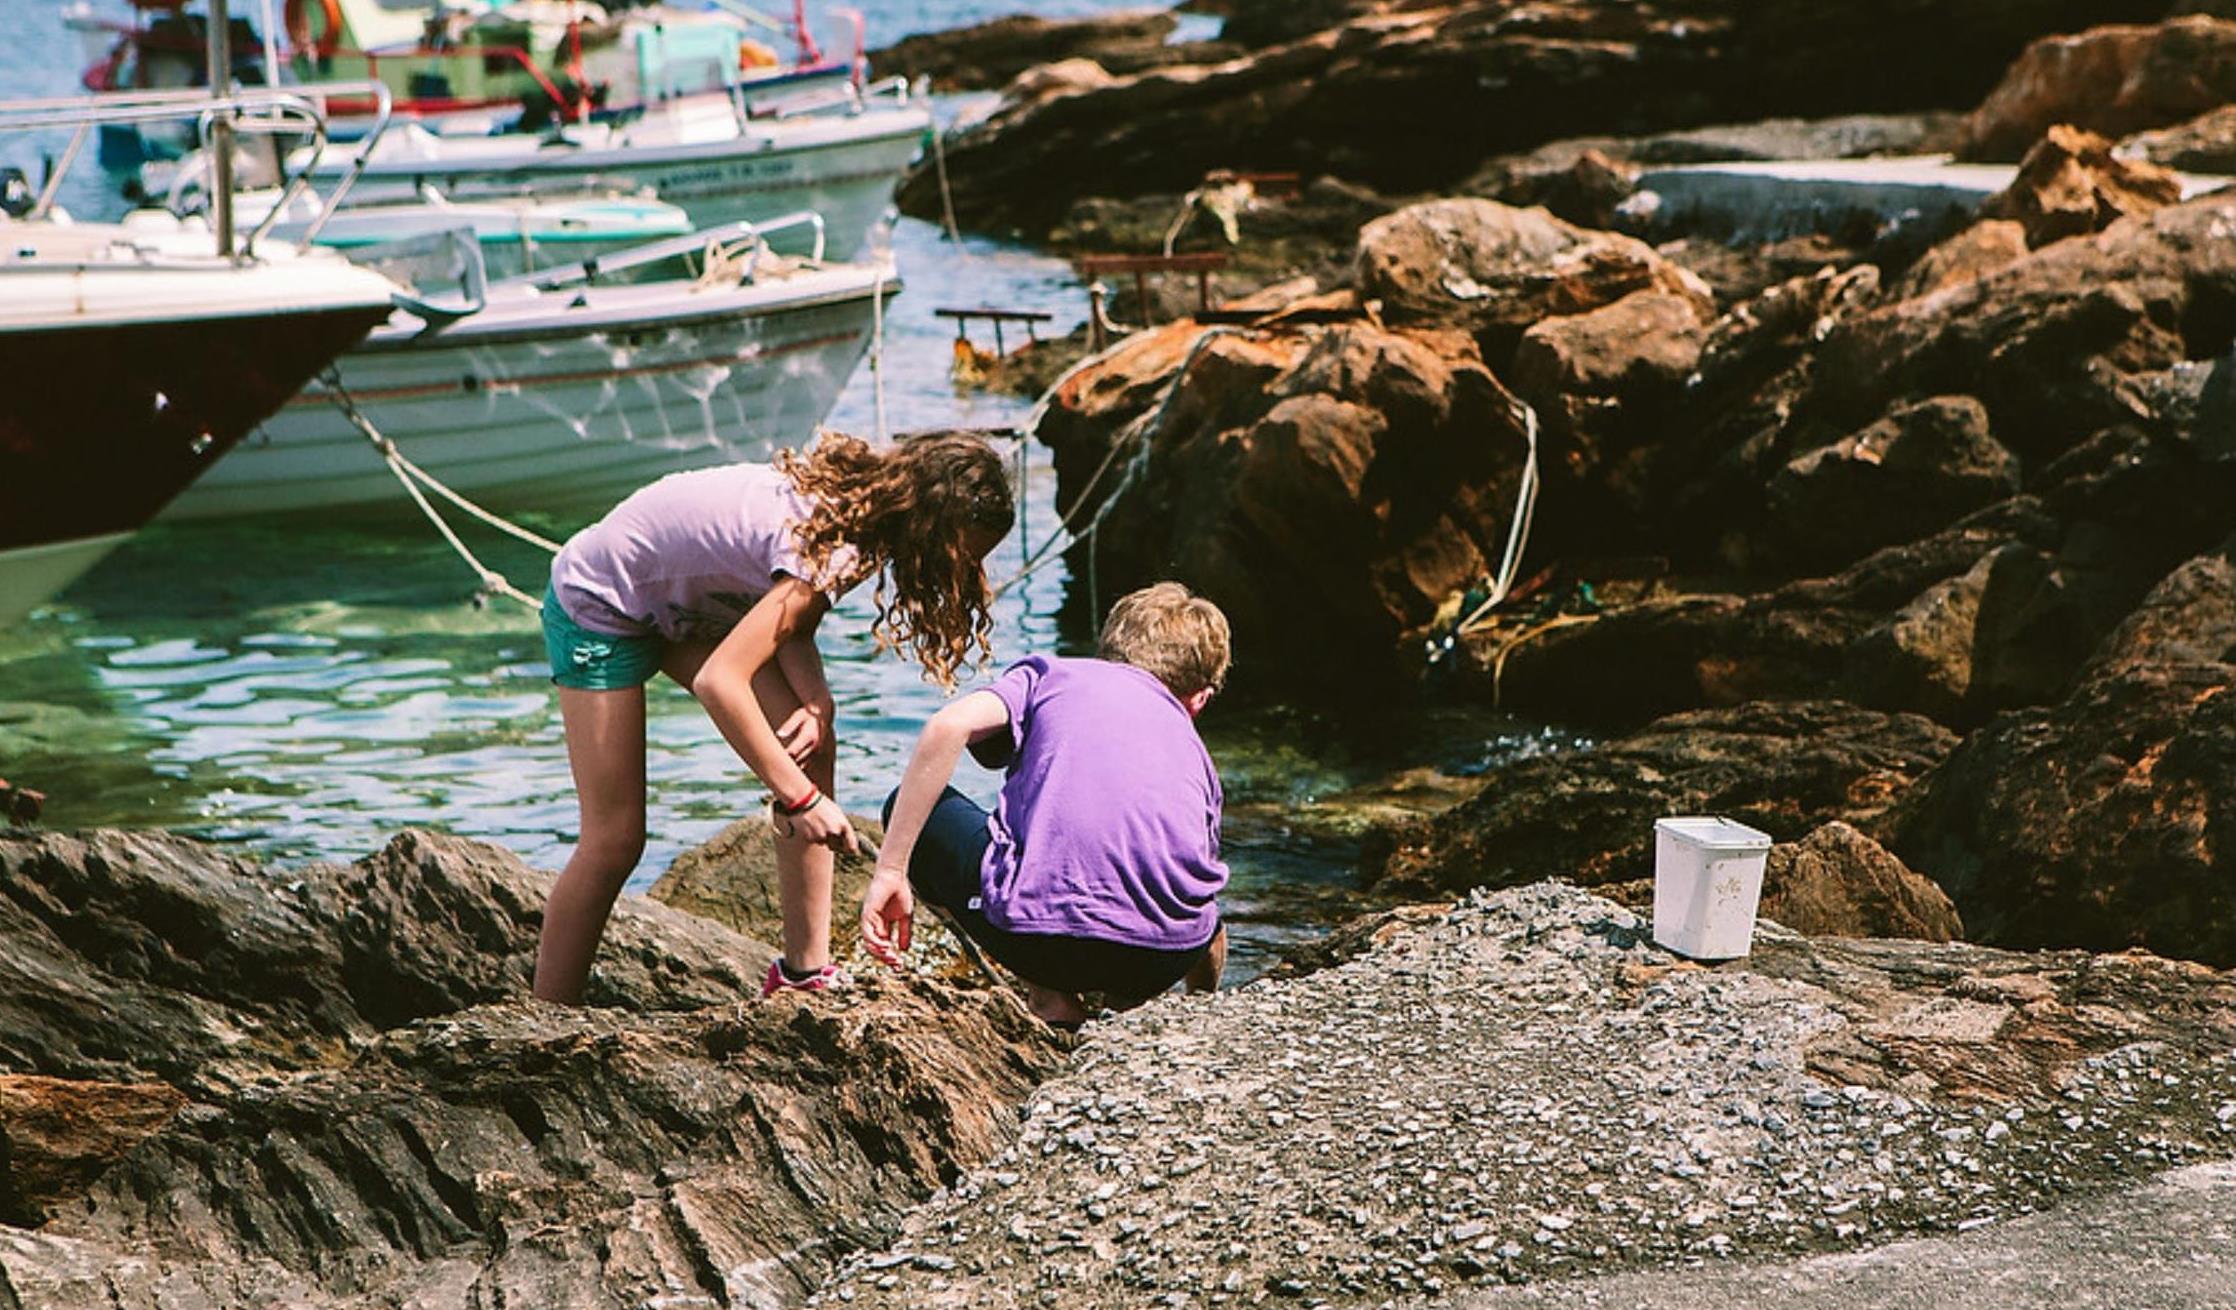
[
  {"x": 605, "y": 749},
  {"x": 803, "y": 870}
]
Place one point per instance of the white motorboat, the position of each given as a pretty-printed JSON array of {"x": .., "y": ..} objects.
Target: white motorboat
[
  {"x": 134, "y": 360},
  {"x": 841, "y": 158},
  {"x": 560, "y": 391}
]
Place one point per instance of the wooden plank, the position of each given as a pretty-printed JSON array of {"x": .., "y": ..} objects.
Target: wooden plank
[
  {"x": 997, "y": 315},
  {"x": 1203, "y": 262}
]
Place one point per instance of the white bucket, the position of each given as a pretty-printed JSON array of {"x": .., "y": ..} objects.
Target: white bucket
[{"x": 1707, "y": 884}]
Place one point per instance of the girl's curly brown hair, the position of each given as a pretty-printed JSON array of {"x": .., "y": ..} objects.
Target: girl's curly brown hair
[{"x": 923, "y": 512}]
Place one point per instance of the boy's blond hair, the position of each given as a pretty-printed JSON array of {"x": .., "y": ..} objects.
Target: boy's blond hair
[{"x": 1171, "y": 632}]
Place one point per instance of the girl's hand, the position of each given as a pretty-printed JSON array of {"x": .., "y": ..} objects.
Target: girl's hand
[
  {"x": 801, "y": 732},
  {"x": 888, "y": 907},
  {"x": 823, "y": 824}
]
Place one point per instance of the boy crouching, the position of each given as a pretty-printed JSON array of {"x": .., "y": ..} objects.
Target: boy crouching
[{"x": 1098, "y": 870}]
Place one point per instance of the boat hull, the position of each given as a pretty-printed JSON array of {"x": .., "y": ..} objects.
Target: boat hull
[
  {"x": 562, "y": 417},
  {"x": 103, "y": 423}
]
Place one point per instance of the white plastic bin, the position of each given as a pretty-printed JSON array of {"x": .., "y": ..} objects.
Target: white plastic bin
[{"x": 1707, "y": 885}]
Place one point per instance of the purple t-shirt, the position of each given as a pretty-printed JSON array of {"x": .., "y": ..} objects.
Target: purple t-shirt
[
  {"x": 1108, "y": 823},
  {"x": 686, "y": 557}
]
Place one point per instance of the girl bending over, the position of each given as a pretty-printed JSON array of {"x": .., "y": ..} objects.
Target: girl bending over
[{"x": 718, "y": 579}]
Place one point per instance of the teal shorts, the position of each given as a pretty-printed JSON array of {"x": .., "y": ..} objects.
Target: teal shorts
[{"x": 595, "y": 661}]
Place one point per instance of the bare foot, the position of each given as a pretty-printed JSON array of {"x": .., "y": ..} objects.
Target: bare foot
[
  {"x": 1055, "y": 1008},
  {"x": 1205, "y": 976}
]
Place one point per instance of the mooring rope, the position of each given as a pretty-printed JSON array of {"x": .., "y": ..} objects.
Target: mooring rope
[
  {"x": 1140, "y": 430},
  {"x": 410, "y": 475},
  {"x": 877, "y": 350},
  {"x": 946, "y": 193},
  {"x": 1518, "y": 529}
]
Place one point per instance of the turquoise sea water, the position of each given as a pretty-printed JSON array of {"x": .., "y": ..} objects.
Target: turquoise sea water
[{"x": 305, "y": 688}]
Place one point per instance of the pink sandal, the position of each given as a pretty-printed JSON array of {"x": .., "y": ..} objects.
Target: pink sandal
[{"x": 828, "y": 978}]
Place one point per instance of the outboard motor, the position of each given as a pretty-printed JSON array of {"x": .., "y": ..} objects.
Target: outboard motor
[{"x": 17, "y": 196}]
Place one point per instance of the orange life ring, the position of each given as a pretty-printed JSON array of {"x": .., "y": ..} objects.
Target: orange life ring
[{"x": 299, "y": 28}]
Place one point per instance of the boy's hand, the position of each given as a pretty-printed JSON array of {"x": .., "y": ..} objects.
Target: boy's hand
[{"x": 888, "y": 908}]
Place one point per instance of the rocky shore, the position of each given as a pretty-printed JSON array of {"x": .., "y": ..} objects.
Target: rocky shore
[
  {"x": 221, "y": 1085},
  {"x": 1903, "y": 531},
  {"x": 344, "y": 1100}
]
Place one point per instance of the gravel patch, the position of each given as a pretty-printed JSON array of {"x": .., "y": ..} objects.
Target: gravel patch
[{"x": 1522, "y": 1089}]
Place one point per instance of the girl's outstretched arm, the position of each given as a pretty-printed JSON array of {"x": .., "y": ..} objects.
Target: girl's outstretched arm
[{"x": 724, "y": 685}]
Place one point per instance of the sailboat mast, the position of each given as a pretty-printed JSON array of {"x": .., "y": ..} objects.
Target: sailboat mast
[{"x": 221, "y": 127}]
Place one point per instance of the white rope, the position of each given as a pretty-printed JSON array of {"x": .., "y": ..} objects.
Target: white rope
[
  {"x": 1517, "y": 541},
  {"x": 1141, "y": 429},
  {"x": 492, "y": 582},
  {"x": 498, "y": 522},
  {"x": 946, "y": 193},
  {"x": 1518, "y": 530},
  {"x": 877, "y": 349}
]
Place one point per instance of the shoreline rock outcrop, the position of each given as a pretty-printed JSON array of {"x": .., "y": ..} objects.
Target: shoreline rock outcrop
[
  {"x": 1410, "y": 99},
  {"x": 2109, "y": 819},
  {"x": 987, "y": 56},
  {"x": 327, "y": 1088},
  {"x": 1326, "y": 485}
]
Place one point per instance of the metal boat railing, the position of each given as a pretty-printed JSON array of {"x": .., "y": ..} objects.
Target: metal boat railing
[
  {"x": 754, "y": 234},
  {"x": 293, "y": 113},
  {"x": 261, "y": 111},
  {"x": 851, "y": 99}
]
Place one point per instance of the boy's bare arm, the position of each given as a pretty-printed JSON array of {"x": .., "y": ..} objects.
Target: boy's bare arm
[{"x": 887, "y": 905}]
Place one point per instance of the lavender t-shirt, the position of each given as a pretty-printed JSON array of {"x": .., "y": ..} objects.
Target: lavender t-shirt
[
  {"x": 1108, "y": 823},
  {"x": 686, "y": 557}
]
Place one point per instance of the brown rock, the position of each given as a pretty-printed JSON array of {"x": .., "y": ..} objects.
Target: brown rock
[
  {"x": 1495, "y": 270},
  {"x": 731, "y": 879},
  {"x": 1416, "y": 98},
  {"x": 2009, "y": 632},
  {"x": 1912, "y": 473},
  {"x": 2204, "y": 144},
  {"x": 1968, "y": 256},
  {"x": 1921, "y": 659},
  {"x": 61, "y": 1135},
  {"x": 1836, "y": 882},
  {"x": 2113, "y": 80},
  {"x": 1327, "y": 486},
  {"x": 131, "y": 956},
  {"x": 1647, "y": 340},
  {"x": 1783, "y": 767},
  {"x": 1061, "y": 78},
  {"x": 987, "y": 55},
  {"x": 2070, "y": 183},
  {"x": 2105, "y": 821},
  {"x": 522, "y": 1154},
  {"x": 362, "y": 1107},
  {"x": 2054, "y": 345}
]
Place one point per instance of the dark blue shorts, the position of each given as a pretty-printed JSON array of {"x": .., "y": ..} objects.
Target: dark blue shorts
[{"x": 944, "y": 869}]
